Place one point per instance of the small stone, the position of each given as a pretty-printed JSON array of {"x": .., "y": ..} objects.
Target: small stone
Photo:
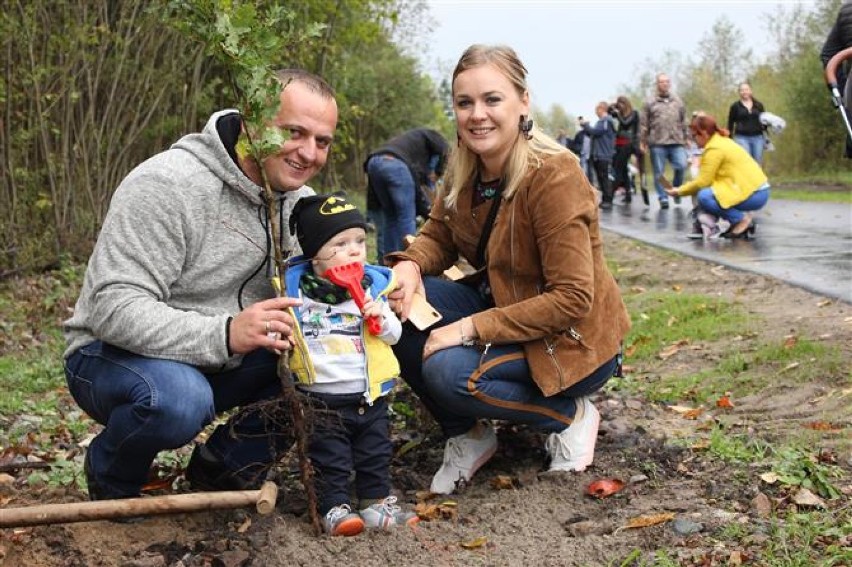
[
  {"x": 637, "y": 478},
  {"x": 686, "y": 527}
]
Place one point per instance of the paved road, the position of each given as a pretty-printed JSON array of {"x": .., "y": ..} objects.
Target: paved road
[{"x": 806, "y": 244}]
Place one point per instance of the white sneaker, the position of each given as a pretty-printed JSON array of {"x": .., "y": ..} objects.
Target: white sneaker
[
  {"x": 573, "y": 448},
  {"x": 387, "y": 514},
  {"x": 342, "y": 521},
  {"x": 463, "y": 456}
]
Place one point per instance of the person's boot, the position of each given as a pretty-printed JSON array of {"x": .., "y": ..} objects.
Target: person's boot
[{"x": 206, "y": 472}]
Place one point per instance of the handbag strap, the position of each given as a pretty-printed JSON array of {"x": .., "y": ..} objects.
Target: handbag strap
[{"x": 489, "y": 224}]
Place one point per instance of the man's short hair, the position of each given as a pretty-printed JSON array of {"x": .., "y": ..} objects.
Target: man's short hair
[{"x": 314, "y": 82}]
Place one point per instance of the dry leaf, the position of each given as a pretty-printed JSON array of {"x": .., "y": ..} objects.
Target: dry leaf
[
  {"x": 672, "y": 320},
  {"x": 604, "y": 487},
  {"x": 503, "y": 482},
  {"x": 446, "y": 510},
  {"x": 769, "y": 478},
  {"x": 668, "y": 352},
  {"x": 631, "y": 350},
  {"x": 790, "y": 366},
  {"x": 244, "y": 526},
  {"x": 693, "y": 414},
  {"x": 824, "y": 303},
  {"x": 637, "y": 289},
  {"x": 701, "y": 445},
  {"x": 724, "y": 402},
  {"x": 474, "y": 543},
  {"x": 735, "y": 558},
  {"x": 805, "y": 497},
  {"x": 651, "y": 520},
  {"x": 790, "y": 341},
  {"x": 677, "y": 287},
  {"x": 681, "y": 409},
  {"x": 823, "y": 426}
]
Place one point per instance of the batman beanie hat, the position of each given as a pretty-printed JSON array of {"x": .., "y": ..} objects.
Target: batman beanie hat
[{"x": 317, "y": 218}]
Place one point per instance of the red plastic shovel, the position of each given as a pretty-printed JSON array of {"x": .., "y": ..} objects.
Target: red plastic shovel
[{"x": 350, "y": 276}]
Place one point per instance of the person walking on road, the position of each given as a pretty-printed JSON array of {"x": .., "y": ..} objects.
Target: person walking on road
[
  {"x": 603, "y": 149},
  {"x": 730, "y": 183},
  {"x": 744, "y": 123},
  {"x": 663, "y": 131},
  {"x": 626, "y": 144}
]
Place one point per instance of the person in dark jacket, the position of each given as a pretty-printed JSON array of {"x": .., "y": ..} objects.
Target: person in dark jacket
[
  {"x": 744, "y": 123},
  {"x": 396, "y": 175},
  {"x": 626, "y": 142},
  {"x": 839, "y": 38},
  {"x": 603, "y": 149}
]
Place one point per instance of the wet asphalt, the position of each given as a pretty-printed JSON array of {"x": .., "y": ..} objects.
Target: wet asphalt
[{"x": 803, "y": 243}]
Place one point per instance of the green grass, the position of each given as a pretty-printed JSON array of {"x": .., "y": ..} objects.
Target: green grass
[{"x": 812, "y": 195}]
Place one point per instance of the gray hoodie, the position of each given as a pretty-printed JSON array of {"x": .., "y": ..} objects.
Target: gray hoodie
[{"x": 183, "y": 242}]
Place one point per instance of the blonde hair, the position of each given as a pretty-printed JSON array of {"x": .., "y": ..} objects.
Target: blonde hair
[{"x": 463, "y": 164}]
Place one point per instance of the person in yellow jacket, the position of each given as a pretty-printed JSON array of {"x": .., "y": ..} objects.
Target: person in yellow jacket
[{"x": 730, "y": 184}]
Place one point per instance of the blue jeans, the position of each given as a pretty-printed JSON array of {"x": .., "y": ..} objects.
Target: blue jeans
[
  {"x": 676, "y": 154},
  {"x": 500, "y": 382},
  {"x": 707, "y": 201},
  {"x": 753, "y": 145},
  {"x": 147, "y": 405},
  {"x": 396, "y": 191}
]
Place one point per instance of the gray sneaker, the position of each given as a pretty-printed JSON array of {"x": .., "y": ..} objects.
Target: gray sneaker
[{"x": 386, "y": 515}]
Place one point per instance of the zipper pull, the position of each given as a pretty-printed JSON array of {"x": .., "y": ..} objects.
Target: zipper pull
[{"x": 572, "y": 332}]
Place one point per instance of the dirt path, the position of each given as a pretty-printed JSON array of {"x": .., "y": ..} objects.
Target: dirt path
[{"x": 716, "y": 514}]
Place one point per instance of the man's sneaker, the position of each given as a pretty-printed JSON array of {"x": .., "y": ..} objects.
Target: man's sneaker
[
  {"x": 207, "y": 472},
  {"x": 341, "y": 520},
  {"x": 463, "y": 455},
  {"x": 664, "y": 204},
  {"x": 386, "y": 515},
  {"x": 573, "y": 449}
]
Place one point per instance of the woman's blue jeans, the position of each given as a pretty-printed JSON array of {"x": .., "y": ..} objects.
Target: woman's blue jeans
[
  {"x": 147, "y": 405},
  {"x": 707, "y": 201},
  {"x": 753, "y": 145},
  {"x": 458, "y": 385},
  {"x": 396, "y": 191}
]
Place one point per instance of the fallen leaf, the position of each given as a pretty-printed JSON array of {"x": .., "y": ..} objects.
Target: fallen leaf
[
  {"x": 769, "y": 478},
  {"x": 823, "y": 426},
  {"x": 503, "y": 482},
  {"x": 604, "y": 487},
  {"x": 631, "y": 350},
  {"x": 650, "y": 520},
  {"x": 638, "y": 289},
  {"x": 824, "y": 303},
  {"x": 677, "y": 287},
  {"x": 672, "y": 320},
  {"x": 701, "y": 445},
  {"x": 790, "y": 366},
  {"x": 790, "y": 341},
  {"x": 805, "y": 497},
  {"x": 735, "y": 558},
  {"x": 681, "y": 409},
  {"x": 447, "y": 510},
  {"x": 693, "y": 414},
  {"x": 474, "y": 543},
  {"x": 724, "y": 402},
  {"x": 244, "y": 526}
]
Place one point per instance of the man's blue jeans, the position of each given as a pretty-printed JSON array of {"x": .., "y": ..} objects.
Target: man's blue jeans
[
  {"x": 500, "y": 382},
  {"x": 707, "y": 201},
  {"x": 148, "y": 405},
  {"x": 753, "y": 145},
  {"x": 396, "y": 191},
  {"x": 674, "y": 153}
]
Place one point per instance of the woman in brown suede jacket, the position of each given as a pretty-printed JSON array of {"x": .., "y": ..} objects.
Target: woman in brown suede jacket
[{"x": 539, "y": 327}]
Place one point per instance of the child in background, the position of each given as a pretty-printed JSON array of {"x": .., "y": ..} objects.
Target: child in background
[{"x": 344, "y": 368}]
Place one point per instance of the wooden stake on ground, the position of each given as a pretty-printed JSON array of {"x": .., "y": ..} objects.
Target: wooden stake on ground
[{"x": 263, "y": 499}]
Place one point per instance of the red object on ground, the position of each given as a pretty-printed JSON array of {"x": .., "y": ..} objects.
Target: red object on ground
[
  {"x": 604, "y": 487},
  {"x": 350, "y": 276}
]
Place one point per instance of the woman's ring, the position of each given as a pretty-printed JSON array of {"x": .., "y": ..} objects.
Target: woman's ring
[{"x": 267, "y": 327}]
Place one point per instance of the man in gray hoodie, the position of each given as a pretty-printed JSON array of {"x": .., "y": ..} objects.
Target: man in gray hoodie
[{"x": 177, "y": 320}]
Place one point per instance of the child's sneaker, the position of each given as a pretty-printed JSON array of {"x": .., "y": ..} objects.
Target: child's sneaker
[
  {"x": 386, "y": 515},
  {"x": 341, "y": 520}
]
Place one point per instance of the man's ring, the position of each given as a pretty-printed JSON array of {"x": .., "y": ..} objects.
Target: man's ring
[{"x": 267, "y": 327}]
